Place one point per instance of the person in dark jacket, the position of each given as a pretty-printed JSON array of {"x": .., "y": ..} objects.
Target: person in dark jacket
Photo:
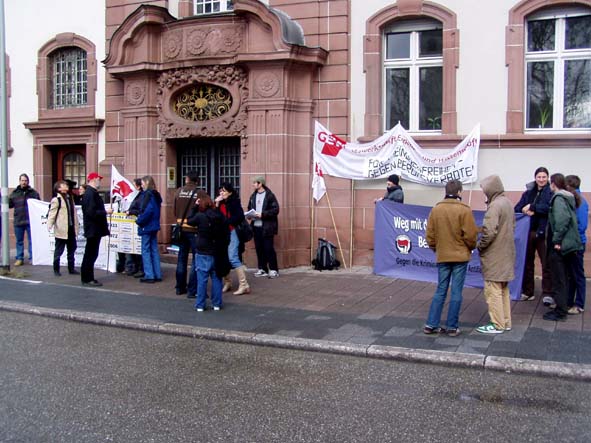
[
  {"x": 394, "y": 191},
  {"x": 265, "y": 227},
  {"x": 18, "y": 200},
  {"x": 228, "y": 203},
  {"x": 563, "y": 244},
  {"x": 94, "y": 216},
  {"x": 535, "y": 203},
  {"x": 149, "y": 225},
  {"x": 184, "y": 200},
  {"x": 212, "y": 250},
  {"x": 133, "y": 262},
  {"x": 577, "y": 290}
]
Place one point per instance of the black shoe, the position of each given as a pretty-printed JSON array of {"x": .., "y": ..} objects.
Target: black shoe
[
  {"x": 92, "y": 283},
  {"x": 157, "y": 280},
  {"x": 57, "y": 273},
  {"x": 191, "y": 296},
  {"x": 74, "y": 272},
  {"x": 130, "y": 273},
  {"x": 138, "y": 275},
  {"x": 181, "y": 291},
  {"x": 553, "y": 316},
  {"x": 147, "y": 280}
]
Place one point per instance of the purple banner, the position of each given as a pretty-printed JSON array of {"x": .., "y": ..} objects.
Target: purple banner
[{"x": 401, "y": 250}]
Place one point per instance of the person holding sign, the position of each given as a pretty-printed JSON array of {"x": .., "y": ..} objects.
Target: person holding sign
[
  {"x": 451, "y": 233},
  {"x": 394, "y": 191},
  {"x": 497, "y": 255},
  {"x": 62, "y": 218}
]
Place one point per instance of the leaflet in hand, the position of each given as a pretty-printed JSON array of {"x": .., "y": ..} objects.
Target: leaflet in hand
[{"x": 250, "y": 214}]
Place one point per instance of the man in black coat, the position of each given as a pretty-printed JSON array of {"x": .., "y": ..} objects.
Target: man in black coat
[
  {"x": 96, "y": 227},
  {"x": 265, "y": 227},
  {"x": 18, "y": 200}
]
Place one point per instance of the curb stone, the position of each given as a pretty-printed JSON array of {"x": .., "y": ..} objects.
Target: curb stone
[{"x": 575, "y": 371}]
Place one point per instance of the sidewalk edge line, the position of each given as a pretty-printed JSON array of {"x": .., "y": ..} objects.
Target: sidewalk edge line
[{"x": 576, "y": 371}]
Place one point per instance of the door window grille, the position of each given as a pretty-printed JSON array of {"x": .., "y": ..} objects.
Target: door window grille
[
  {"x": 74, "y": 168},
  {"x": 215, "y": 160},
  {"x": 69, "y": 78}
]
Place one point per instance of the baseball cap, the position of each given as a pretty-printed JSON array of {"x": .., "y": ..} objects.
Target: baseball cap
[{"x": 93, "y": 175}]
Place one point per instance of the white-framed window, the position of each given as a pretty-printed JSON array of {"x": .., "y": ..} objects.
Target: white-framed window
[
  {"x": 212, "y": 6},
  {"x": 558, "y": 70},
  {"x": 69, "y": 82},
  {"x": 413, "y": 75}
]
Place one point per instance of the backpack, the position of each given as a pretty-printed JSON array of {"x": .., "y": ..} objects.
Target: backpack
[
  {"x": 326, "y": 257},
  {"x": 59, "y": 206}
]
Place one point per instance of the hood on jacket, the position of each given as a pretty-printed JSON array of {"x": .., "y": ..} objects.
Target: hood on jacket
[
  {"x": 568, "y": 196},
  {"x": 492, "y": 186}
]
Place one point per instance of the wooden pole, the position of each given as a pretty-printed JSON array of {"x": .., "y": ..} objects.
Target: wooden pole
[{"x": 336, "y": 230}]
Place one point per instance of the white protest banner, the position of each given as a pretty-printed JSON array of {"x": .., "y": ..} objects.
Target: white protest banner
[
  {"x": 395, "y": 152},
  {"x": 43, "y": 242},
  {"x": 122, "y": 189}
]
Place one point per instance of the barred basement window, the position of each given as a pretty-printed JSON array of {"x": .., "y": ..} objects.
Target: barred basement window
[
  {"x": 212, "y": 6},
  {"x": 68, "y": 78}
]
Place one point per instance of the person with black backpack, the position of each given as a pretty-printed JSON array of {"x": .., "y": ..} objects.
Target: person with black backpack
[
  {"x": 213, "y": 237},
  {"x": 63, "y": 219}
]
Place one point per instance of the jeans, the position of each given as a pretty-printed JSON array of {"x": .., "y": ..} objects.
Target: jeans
[
  {"x": 577, "y": 290},
  {"x": 188, "y": 244},
  {"x": 265, "y": 250},
  {"x": 19, "y": 233},
  {"x": 133, "y": 263},
  {"x": 233, "y": 254},
  {"x": 91, "y": 252},
  {"x": 60, "y": 244},
  {"x": 150, "y": 256},
  {"x": 446, "y": 272},
  {"x": 205, "y": 268}
]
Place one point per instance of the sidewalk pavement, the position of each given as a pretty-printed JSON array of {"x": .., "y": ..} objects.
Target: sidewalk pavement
[{"x": 345, "y": 311}]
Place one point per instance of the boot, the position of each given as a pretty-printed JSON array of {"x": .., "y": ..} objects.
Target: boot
[
  {"x": 243, "y": 287},
  {"x": 227, "y": 283}
]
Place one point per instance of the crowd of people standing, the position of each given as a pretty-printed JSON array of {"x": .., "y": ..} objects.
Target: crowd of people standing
[{"x": 558, "y": 217}]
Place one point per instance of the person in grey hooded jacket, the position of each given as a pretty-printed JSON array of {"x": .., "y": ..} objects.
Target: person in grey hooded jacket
[{"x": 497, "y": 254}]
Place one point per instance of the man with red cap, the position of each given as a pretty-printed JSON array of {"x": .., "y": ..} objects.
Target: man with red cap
[{"x": 94, "y": 216}]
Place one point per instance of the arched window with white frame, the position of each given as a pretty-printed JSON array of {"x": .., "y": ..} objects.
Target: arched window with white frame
[
  {"x": 413, "y": 75},
  {"x": 558, "y": 69}
]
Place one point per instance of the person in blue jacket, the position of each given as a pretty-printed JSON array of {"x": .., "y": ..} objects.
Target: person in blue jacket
[
  {"x": 577, "y": 287},
  {"x": 148, "y": 222},
  {"x": 535, "y": 203}
]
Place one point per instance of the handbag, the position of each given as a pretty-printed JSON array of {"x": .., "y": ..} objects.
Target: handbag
[
  {"x": 176, "y": 229},
  {"x": 244, "y": 231}
]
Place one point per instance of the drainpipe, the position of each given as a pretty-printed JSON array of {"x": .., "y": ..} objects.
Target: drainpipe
[{"x": 4, "y": 143}]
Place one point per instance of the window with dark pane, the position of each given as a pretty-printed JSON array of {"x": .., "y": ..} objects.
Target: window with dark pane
[
  {"x": 431, "y": 43},
  {"x": 430, "y": 98},
  {"x": 540, "y": 94},
  {"x": 74, "y": 167},
  {"x": 398, "y": 45},
  {"x": 541, "y": 35},
  {"x": 577, "y": 94},
  {"x": 397, "y": 97},
  {"x": 578, "y": 32}
]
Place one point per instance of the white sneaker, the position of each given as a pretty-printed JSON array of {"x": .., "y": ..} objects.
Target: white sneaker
[
  {"x": 199, "y": 309},
  {"x": 273, "y": 274},
  {"x": 547, "y": 300},
  {"x": 216, "y": 308},
  {"x": 527, "y": 298},
  {"x": 260, "y": 273}
]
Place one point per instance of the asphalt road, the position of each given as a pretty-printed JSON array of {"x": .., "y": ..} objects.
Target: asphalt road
[{"x": 68, "y": 382}]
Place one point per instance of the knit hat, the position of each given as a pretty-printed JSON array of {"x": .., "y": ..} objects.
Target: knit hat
[
  {"x": 394, "y": 179},
  {"x": 260, "y": 179}
]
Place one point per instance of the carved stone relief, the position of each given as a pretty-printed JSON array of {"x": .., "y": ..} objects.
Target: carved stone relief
[
  {"x": 267, "y": 84},
  {"x": 231, "y": 123},
  {"x": 135, "y": 93},
  {"x": 173, "y": 43},
  {"x": 213, "y": 41}
]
